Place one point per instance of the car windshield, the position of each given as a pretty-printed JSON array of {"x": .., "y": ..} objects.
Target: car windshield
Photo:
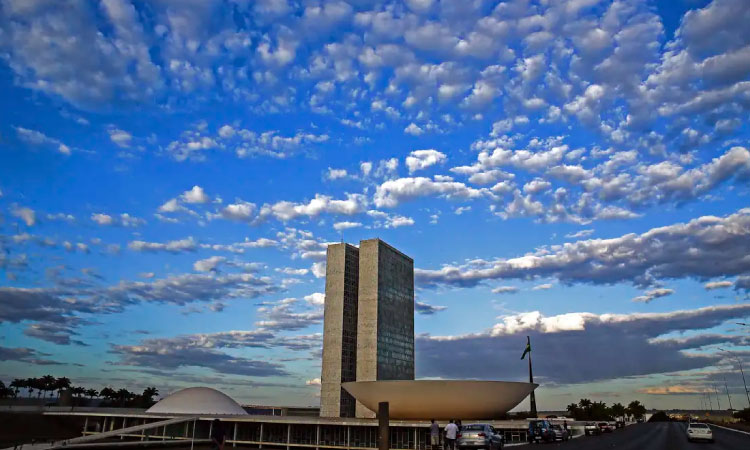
[
  {"x": 473, "y": 428},
  {"x": 698, "y": 425},
  {"x": 557, "y": 427}
]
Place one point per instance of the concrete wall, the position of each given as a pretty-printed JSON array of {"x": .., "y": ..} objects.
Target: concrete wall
[
  {"x": 330, "y": 390},
  {"x": 367, "y": 318}
]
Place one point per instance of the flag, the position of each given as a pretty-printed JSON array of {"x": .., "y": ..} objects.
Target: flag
[{"x": 527, "y": 349}]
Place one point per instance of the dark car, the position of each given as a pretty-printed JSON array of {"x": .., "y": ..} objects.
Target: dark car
[
  {"x": 605, "y": 427},
  {"x": 540, "y": 430},
  {"x": 479, "y": 435}
]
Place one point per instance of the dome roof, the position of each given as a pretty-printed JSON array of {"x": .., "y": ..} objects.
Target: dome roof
[{"x": 197, "y": 400}]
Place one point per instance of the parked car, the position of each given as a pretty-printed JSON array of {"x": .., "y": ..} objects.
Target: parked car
[
  {"x": 620, "y": 424},
  {"x": 561, "y": 434},
  {"x": 604, "y": 427},
  {"x": 591, "y": 429},
  {"x": 540, "y": 430},
  {"x": 613, "y": 425},
  {"x": 697, "y": 431},
  {"x": 479, "y": 435}
]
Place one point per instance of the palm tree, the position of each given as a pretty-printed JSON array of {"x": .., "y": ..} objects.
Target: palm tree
[
  {"x": 92, "y": 393},
  {"x": 48, "y": 383},
  {"x": 17, "y": 385},
  {"x": 574, "y": 410},
  {"x": 31, "y": 384},
  {"x": 78, "y": 391},
  {"x": 60, "y": 384},
  {"x": 108, "y": 393},
  {"x": 636, "y": 409},
  {"x": 617, "y": 410}
]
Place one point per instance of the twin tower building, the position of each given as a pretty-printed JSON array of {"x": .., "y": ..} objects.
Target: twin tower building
[{"x": 368, "y": 331}]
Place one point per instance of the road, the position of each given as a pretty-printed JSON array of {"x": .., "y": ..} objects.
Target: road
[{"x": 653, "y": 436}]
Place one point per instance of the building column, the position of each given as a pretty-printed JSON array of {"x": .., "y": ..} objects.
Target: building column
[
  {"x": 260, "y": 438},
  {"x": 383, "y": 423},
  {"x": 85, "y": 425},
  {"x": 234, "y": 436},
  {"x": 288, "y": 435},
  {"x": 317, "y": 437}
]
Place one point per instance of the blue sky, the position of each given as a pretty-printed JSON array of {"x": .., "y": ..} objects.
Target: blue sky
[{"x": 576, "y": 171}]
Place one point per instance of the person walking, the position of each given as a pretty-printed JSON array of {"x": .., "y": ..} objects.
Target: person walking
[
  {"x": 451, "y": 430},
  {"x": 217, "y": 435},
  {"x": 434, "y": 434}
]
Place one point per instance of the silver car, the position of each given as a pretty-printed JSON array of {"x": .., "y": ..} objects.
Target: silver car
[
  {"x": 479, "y": 435},
  {"x": 699, "y": 431}
]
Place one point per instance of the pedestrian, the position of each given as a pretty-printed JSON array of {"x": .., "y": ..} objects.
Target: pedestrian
[
  {"x": 434, "y": 434},
  {"x": 217, "y": 435},
  {"x": 451, "y": 430},
  {"x": 565, "y": 427}
]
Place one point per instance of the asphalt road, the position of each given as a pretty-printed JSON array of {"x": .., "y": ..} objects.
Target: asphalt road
[{"x": 652, "y": 436}]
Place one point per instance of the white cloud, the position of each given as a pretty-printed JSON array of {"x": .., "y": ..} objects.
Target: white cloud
[
  {"x": 120, "y": 137},
  {"x": 391, "y": 193},
  {"x": 285, "y": 210},
  {"x": 24, "y": 213},
  {"x": 717, "y": 285},
  {"x": 177, "y": 246},
  {"x": 336, "y": 174},
  {"x": 413, "y": 129},
  {"x": 195, "y": 195},
  {"x": 505, "y": 290},
  {"x": 422, "y": 159},
  {"x": 653, "y": 294},
  {"x": 208, "y": 264},
  {"x": 338, "y": 226}
]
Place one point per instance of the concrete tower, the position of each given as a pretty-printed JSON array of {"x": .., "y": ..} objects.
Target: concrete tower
[
  {"x": 368, "y": 331},
  {"x": 339, "y": 330},
  {"x": 385, "y": 323}
]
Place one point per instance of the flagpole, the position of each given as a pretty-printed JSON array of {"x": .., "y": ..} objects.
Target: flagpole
[{"x": 532, "y": 398}]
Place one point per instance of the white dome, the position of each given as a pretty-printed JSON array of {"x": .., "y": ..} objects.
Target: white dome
[{"x": 197, "y": 400}]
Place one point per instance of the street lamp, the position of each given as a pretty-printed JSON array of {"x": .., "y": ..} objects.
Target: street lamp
[{"x": 739, "y": 363}]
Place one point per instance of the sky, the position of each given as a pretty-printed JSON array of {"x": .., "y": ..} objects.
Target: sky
[{"x": 574, "y": 171}]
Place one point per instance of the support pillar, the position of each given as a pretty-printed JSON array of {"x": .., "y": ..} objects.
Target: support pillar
[
  {"x": 317, "y": 437},
  {"x": 260, "y": 438},
  {"x": 234, "y": 436},
  {"x": 383, "y": 422},
  {"x": 85, "y": 426},
  {"x": 288, "y": 435}
]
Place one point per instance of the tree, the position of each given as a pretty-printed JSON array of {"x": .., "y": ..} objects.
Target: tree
[
  {"x": 60, "y": 384},
  {"x": 147, "y": 398},
  {"x": 17, "y": 385},
  {"x": 108, "y": 393},
  {"x": 78, "y": 391},
  {"x": 31, "y": 384},
  {"x": 636, "y": 409},
  {"x": 91, "y": 393},
  {"x": 618, "y": 410},
  {"x": 743, "y": 415},
  {"x": 574, "y": 410},
  {"x": 48, "y": 383},
  {"x": 5, "y": 391}
]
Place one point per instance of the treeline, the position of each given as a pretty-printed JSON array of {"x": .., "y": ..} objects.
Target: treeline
[
  {"x": 48, "y": 384},
  {"x": 585, "y": 409}
]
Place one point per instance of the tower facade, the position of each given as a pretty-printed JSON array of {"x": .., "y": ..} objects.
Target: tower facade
[
  {"x": 339, "y": 330},
  {"x": 385, "y": 322},
  {"x": 369, "y": 322}
]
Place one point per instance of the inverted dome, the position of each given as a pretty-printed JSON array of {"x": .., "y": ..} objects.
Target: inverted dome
[
  {"x": 198, "y": 400},
  {"x": 441, "y": 399}
]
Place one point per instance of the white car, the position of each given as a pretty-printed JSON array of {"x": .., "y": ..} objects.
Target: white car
[{"x": 699, "y": 431}]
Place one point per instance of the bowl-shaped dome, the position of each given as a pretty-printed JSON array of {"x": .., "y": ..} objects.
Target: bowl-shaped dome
[
  {"x": 441, "y": 399},
  {"x": 199, "y": 401}
]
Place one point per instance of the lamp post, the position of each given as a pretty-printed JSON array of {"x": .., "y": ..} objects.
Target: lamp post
[{"x": 739, "y": 363}]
